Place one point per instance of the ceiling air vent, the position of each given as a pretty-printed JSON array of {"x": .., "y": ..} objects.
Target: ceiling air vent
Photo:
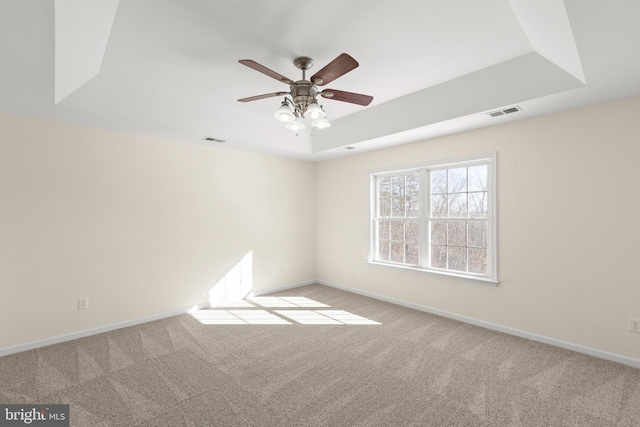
[
  {"x": 505, "y": 111},
  {"x": 209, "y": 139}
]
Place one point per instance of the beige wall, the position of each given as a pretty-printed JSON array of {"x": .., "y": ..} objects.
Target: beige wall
[
  {"x": 144, "y": 226},
  {"x": 568, "y": 232},
  {"x": 140, "y": 226}
]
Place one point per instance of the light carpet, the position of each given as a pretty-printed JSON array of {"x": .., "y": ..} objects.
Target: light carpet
[{"x": 318, "y": 356}]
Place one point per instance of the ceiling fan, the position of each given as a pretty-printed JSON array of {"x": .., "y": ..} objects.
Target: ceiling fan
[{"x": 300, "y": 101}]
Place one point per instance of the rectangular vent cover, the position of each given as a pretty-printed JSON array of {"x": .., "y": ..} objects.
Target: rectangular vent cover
[
  {"x": 210, "y": 139},
  {"x": 505, "y": 111}
]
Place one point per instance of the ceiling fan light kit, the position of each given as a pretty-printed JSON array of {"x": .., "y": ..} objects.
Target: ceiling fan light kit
[{"x": 301, "y": 100}]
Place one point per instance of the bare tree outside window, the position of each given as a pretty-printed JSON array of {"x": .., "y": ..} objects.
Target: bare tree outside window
[
  {"x": 397, "y": 215},
  {"x": 456, "y": 194}
]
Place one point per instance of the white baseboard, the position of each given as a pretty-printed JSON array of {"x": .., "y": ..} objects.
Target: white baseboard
[
  {"x": 602, "y": 354},
  {"x": 614, "y": 357},
  {"x": 284, "y": 288},
  {"x": 99, "y": 330}
]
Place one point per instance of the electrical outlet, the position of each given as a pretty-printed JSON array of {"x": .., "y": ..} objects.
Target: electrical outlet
[
  {"x": 83, "y": 303},
  {"x": 634, "y": 325}
]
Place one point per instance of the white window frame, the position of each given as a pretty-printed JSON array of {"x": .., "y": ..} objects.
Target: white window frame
[{"x": 424, "y": 216}]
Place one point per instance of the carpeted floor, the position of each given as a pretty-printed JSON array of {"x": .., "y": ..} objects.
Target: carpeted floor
[{"x": 323, "y": 358}]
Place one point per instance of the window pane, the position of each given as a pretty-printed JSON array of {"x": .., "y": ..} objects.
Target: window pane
[
  {"x": 412, "y": 231},
  {"x": 397, "y": 252},
  {"x": 439, "y": 232},
  {"x": 383, "y": 230},
  {"x": 384, "y": 185},
  {"x": 397, "y": 231},
  {"x": 438, "y": 181},
  {"x": 478, "y": 204},
  {"x": 413, "y": 206},
  {"x": 397, "y": 185},
  {"x": 383, "y": 250},
  {"x": 477, "y": 234},
  {"x": 458, "y": 205},
  {"x": 478, "y": 178},
  {"x": 412, "y": 184},
  {"x": 412, "y": 253},
  {"x": 439, "y": 205},
  {"x": 397, "y": 206},
  {"x": 438, "y": 256},
  {"x": 457, "y": 258},
  {"x": 457, "y": 233},
  {"x": 457, "y": 182},
  {"x": 478, "y": 260},
  {"x": 385, "y": 206}
]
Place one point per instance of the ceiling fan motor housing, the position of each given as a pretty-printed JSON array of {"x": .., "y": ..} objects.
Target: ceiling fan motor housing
[{"x": 303, "y": 92}]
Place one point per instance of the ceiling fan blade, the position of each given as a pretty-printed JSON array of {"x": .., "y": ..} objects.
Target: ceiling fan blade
[
  {"x": 266, "y": 95},
  {"x": 334, "y": 69},
  {"x": 264, "y": 70},
  {"x": 340, "y": 95}
]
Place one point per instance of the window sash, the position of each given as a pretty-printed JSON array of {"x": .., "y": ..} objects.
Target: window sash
[{"x": 468, "y": 246}]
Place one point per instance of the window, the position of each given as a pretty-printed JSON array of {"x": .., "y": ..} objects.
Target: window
[{"x": 438, "y": 218}]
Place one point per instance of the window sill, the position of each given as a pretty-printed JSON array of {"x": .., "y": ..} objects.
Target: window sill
[{"x": 438, "y": 272}]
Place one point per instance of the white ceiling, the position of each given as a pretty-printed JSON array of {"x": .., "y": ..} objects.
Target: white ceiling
[{"x": 169, "y": 68}]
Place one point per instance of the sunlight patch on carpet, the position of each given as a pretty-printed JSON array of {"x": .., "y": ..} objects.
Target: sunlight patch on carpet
[{"x": 261, "y": 311}]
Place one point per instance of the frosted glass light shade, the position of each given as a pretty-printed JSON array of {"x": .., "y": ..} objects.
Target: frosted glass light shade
[
  {"x": 295, "y": 125},
  {"x": 314, "y": 111},
  {"x": 284, "y": 113},
  {"x": 321, "y": 123}
]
